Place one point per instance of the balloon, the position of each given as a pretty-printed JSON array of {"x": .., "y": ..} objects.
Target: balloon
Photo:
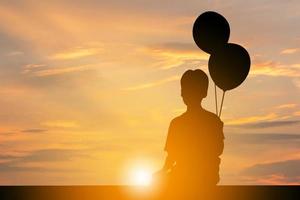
[
  {"x": 229, "y": 66},
  {"x": 211, "y": 31}
]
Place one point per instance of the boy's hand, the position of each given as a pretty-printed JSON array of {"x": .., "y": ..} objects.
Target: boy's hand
[
  {"x": 159, "y": 174},
  {"x": 160, "y": 177}
]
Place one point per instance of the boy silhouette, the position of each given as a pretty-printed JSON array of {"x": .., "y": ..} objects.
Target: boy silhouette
[{"x": 195, "y": 140}]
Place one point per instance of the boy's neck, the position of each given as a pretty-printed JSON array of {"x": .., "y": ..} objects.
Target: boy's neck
[{"x": 194, "y": 108}]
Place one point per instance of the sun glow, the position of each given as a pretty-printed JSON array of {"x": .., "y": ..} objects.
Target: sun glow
[{"x": 141, "y": 177}]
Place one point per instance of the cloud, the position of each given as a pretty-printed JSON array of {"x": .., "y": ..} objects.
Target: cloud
[
  {"x": 34, "y": 130},
  {"x": 286, "y": 106},
  {"x": 297, "y": 113},
  {"x": 245, "y": 120},
  {"x": 172, "y": 55},
  {"x": 176, "y": 47},
  {"x": 4, "y": 168},
  {"x": 282, "y": 172},
  {"x": 269, "y": 124},
  {"x": 15, "y": 53},
  {"x": 53, "y": 155},
  {"x": 76, "y": 53},
  {"x": 152, "y": 84},
  {"x": 296, "y": 81},
  {"x": 18, "y": 163},
  {"x": 33, "y": 66},
  {"x": 271, "y": 68},
  {"x": 249, "y": 148},
  {"x": 61, "y": 124},
  {"x": 8, "y": 157},
  {"x": 264, "y": 121},
  {"x": 264, "y": 138},
  {"x": 41, "y": 70},
  {"x": 289, "y": 51}
]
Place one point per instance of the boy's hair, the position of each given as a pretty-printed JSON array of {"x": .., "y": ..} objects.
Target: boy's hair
[{"x": 195, "y": 81}]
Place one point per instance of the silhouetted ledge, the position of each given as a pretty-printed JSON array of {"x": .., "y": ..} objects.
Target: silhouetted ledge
[{"x": 131, "y": 192}]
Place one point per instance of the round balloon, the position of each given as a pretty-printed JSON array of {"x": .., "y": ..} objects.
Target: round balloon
[
  {"x": 229, "y": 66},
  {"x": 211, "y": 31}
]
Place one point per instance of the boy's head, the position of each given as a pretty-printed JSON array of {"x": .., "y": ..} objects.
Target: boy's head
[{"x": 194, "y": 85}]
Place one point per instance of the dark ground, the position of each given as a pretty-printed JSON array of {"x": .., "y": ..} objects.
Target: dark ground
[{"x": 129, "y": 192}]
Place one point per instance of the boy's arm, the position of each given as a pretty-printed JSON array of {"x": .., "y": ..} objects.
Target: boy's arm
[
  {"x": 221, "y": 147},
  {"x": 169, "y": 148},
  {"x": 169, "y": 163}
]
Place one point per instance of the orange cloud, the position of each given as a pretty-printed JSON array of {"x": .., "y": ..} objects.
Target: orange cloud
[
  {"x": 76, "y": 53},
  {"x": 57, "y": 71},
  {"x": 152, "y": 84},
  {"x": 15, "y": 53},
  {"x": 61, "y": 124},
  {"x": 275, "y": 179},
  {"x": 175, "y": 54},
  {"x": 271, "y": 68},
  {"x": 251, "y": 119},
  {"x": 286, "y": 106},
  {"x": 297, "y": 113},
  {"x": 289, "y": 51},
  {"x": 33, "y": 66}
]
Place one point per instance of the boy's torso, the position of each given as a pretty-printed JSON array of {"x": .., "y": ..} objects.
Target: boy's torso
[{"x": 196, "y": 138}]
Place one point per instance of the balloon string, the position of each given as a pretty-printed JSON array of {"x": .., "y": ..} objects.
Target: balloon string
[
  {"x": 216, "y": 99},
  {"x": 222, "y": 103}
]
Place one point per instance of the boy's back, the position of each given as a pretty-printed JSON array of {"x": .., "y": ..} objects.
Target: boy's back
[{"x": 195, "y": 142}]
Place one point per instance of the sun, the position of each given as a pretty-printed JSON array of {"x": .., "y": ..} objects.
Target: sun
[{"x": 141, "y": 177}]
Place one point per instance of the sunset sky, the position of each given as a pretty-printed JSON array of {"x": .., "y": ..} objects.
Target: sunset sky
[{"x": 88, "y": 88}]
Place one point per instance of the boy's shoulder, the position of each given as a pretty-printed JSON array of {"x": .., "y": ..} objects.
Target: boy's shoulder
[
  {"x": 212, "y": 116},
  {"x": 178, "y": 118},
  {"x": 207, "y": 115}
]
